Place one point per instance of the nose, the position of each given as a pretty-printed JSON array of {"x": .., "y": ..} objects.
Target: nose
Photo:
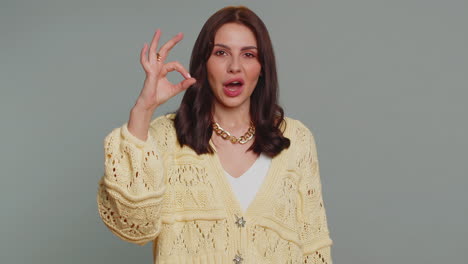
[{"x": 234, "y": 65}]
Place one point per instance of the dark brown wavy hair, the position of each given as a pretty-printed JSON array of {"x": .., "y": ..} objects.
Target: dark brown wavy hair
[{"x": 193, "y": 121}]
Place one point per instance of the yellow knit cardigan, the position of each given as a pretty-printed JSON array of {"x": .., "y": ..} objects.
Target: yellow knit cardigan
[{"x": 154, "y": 190}]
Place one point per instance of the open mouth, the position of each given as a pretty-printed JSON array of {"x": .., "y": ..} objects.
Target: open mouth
[
  {"x": 233, "y": 84},
  {"x": 233, "y": 87}
]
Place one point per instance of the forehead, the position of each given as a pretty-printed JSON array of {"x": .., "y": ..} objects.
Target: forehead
[{"x": 235, "y": 35}]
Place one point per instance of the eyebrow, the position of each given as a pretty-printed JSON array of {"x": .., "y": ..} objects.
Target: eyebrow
[{"x": 243, "y": 48}]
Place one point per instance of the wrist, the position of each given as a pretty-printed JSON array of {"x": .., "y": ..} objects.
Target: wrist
[
  {"x": 141, "y": 108},
  {"x": 141, "y": 112}
]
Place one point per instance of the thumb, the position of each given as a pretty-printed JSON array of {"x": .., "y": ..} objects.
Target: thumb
[{"x": 187, "y": 83}]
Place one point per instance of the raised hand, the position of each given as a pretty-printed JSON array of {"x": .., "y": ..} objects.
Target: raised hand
[{"x": 157, "y": 88}]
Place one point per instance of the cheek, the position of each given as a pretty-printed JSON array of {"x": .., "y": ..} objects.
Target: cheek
[
  {"x": 254, "y": 70},
  {"x": 214, "y": 69},
  {"x": 211, "y": 72}
]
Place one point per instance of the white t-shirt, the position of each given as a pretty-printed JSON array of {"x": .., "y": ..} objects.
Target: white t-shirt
[{"x": 246, "y": 186}]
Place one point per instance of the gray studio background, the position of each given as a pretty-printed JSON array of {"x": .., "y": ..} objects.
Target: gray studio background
[{"x": 382, "y": 84}]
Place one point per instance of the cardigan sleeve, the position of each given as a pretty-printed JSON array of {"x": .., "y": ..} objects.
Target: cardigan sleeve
[
  {"x": 130, "y": 193},
  {"x": 314, "y": 232},
  {"x": 320, "y": 256}
]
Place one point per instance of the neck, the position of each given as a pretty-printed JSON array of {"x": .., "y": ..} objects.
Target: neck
[{"x": 237, "y": 118}]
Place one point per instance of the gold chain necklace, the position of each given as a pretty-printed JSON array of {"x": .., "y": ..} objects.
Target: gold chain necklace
[{"x": 227, "y": 136}]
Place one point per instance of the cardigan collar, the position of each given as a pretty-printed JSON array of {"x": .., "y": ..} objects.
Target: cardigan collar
[{"x": 230, "y": 200}]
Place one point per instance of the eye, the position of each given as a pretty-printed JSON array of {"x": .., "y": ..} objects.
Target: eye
[
  {"x": 220, "y": 53},
  {"x": 250, "y": 55}
]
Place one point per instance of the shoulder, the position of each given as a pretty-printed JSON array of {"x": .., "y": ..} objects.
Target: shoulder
[
  {"x": 301, "y": 136},
  {"x": 162, "y": 128},
  {"x": 166, "y": 120},
  {"x": 296, "y": 128},
  {"x": 163, "y": 124}
]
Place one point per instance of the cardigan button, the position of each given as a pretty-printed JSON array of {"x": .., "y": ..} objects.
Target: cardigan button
[
  {"x": 240, "y": 222},
  {"x": 238, "y": 259}
]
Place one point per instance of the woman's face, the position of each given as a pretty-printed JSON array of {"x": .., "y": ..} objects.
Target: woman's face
[{"x": 233, "y": 66}]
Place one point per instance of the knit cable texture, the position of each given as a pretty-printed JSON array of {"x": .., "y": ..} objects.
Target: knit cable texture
[{"x": 156, "y": 191}]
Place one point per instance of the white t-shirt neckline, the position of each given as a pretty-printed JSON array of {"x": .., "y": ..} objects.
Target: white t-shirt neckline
[{"x": 246, "y": 186}]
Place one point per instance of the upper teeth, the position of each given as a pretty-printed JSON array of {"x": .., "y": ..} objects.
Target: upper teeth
[{"x": 235, "y": 82}]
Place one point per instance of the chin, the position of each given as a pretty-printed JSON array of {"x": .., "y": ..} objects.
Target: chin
[
  {"x": 233, "y": 102},
  {"x": 230, "y": 103}
]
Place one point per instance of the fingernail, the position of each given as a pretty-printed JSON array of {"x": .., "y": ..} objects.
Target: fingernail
[{"x": 188, "y": 74}]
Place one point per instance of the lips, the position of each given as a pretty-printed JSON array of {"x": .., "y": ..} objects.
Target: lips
[
  {"x": 234, "y": 81},
  {"x": 233, "y": 87}
]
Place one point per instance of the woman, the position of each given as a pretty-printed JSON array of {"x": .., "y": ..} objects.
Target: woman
[{"x": 227, "y": 178}]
